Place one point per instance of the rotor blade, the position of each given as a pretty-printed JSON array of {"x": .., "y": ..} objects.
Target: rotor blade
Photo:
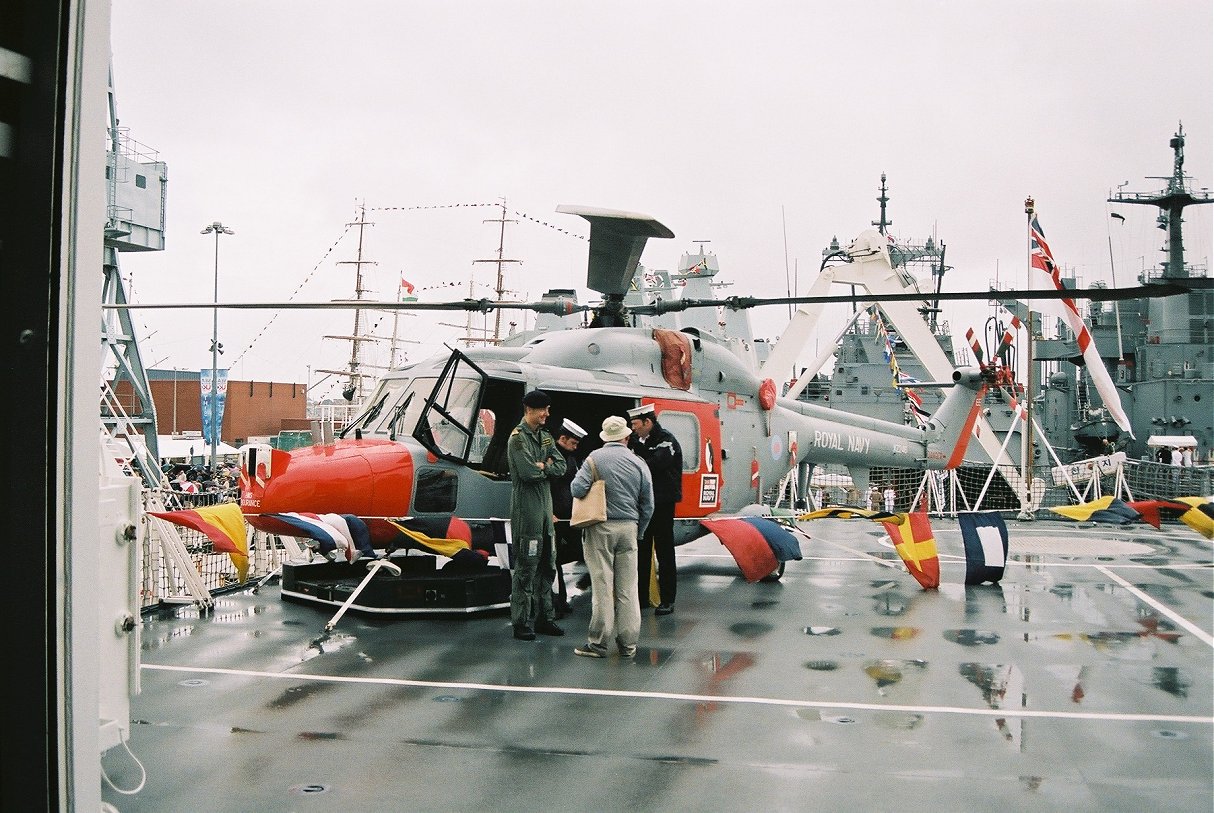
[
  {"x": 565, "y": 307},
  {"x": 743, "y": 302},
  {"x": 559, "y": 307}
]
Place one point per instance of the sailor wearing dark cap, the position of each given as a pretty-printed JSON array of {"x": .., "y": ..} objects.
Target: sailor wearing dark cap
[
  {"x": 662, "y": 453},
  {"x": 568, "y": 540},
  {"x": 534, "y": 461}
]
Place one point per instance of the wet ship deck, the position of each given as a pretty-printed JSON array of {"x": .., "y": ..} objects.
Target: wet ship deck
[{"x": 1083, "y": 683}]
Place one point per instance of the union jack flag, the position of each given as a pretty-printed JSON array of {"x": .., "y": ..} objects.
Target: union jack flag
[{"x": 1041, "y": 257}]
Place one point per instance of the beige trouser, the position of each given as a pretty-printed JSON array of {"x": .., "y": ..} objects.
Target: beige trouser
[{"x": 611, "y": 557}]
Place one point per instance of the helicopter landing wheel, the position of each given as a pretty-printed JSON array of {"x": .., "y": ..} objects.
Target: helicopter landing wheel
[{"x": 775, "y": 575}]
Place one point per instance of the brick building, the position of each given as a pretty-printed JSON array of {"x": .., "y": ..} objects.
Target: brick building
[{"x": 252, "y": 408}]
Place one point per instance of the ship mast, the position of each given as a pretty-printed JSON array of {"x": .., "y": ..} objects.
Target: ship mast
[
  {"x": 1030, "y": 383},
  {"x": 883, "y": 224},
  {"x": 500, "y": 260},
  {"x": 354, "y": 389},
  {"x": 1171, "y": 202}
]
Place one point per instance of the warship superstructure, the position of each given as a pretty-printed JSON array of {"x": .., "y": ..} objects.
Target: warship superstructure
[{"x": 1159, "y": 350}]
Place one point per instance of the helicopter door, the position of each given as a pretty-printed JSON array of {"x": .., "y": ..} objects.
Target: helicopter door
[
  {"x": 450, "y": 424},
  {"x": 697, "y": 426}
]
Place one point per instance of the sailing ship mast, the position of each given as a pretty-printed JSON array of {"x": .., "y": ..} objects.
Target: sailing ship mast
[
  {"x": 499, "y": 289},
  {"x": 355, "y": 377},
  {"x": 500, "y": 260}
]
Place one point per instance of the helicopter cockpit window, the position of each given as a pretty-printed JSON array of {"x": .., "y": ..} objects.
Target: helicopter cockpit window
[
  {"x": 394, "y": 407},
  {"x": 436, "y": 490},
  {"x": 374, "y": 409},
  {"x": 448, "y": 423},
  {"x": 686, "y": 429}
]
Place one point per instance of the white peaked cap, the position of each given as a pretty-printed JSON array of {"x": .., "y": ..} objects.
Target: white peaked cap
[{"x": 572, "y": 429}]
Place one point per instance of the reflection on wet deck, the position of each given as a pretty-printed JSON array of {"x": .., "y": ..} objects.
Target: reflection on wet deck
[{"x": 1081, "y": 682}]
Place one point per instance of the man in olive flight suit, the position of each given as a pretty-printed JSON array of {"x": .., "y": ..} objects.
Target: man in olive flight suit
[{"x": 534, "y": 460}]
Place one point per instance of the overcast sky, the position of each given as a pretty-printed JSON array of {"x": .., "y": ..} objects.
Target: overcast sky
[{"x": 727, "y": 122}]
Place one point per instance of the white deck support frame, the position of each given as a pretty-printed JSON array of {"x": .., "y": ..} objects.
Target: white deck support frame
[
  {"x": 171, "y": 547},
  {"x": 871, "y": 271}
]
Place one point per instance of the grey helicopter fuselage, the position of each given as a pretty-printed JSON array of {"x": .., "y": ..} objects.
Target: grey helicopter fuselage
[{"x": 735, "y": 432}]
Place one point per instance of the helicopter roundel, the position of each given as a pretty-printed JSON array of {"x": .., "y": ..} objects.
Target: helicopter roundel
[{"x": 777, "y": 447}]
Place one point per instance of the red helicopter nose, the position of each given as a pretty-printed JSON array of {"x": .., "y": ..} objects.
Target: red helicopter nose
[{"x": 368, "y": 478}]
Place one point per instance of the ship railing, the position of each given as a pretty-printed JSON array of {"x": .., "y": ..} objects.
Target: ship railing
[
  {"x": 1193, "y": 270},
  {"x": 973, "y": 487},
  {"x": 180, "y": 566}
]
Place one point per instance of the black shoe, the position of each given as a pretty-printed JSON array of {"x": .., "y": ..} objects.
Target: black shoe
[
  {"x": 590, "y": 651},
  {"x": 524, "y": 634},
  {"x": 548, "y": 628},
  {"x": 664, "y": 609}
]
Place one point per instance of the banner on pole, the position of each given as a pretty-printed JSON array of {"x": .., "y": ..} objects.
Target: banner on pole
[{"x": 217, "y": 400}]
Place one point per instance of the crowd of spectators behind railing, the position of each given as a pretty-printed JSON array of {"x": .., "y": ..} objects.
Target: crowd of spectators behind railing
[{"x": 197, "y": 486}]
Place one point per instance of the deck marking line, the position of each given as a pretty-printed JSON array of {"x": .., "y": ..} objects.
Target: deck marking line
[
  {"x": 867, "y": 556},
  {"x": 693, "y": 698},
  {"x": 1012, "y": 560},
  {"x": 1201, "y": 634}
]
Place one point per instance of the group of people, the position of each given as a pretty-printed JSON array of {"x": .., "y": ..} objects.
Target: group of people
[
  {"x": 886, "y": 497},
  {"x": 641, "y": 466},
  {"x": 201, "y": 479},
  {"x": 1181, "y": 457}
]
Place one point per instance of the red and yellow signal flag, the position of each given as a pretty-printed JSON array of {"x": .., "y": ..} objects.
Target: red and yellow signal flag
[
  {"x": 916, "y": 545},
  {"x": 223, "y": 524}
]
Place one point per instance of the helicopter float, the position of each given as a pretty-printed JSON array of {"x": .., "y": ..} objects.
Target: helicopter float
[{"x": 430, "y": 444}]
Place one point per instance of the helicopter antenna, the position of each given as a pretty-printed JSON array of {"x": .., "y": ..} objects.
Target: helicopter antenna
[{"x": 787, "y": 280}]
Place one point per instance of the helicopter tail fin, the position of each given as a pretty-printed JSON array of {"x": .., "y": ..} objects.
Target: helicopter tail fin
[{"x": 954, "y": 420}]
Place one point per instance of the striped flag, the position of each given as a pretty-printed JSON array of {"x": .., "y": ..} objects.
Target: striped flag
[
  {"x": 1041, "y": 259},
  {"x": 846, "y": 512},
  {"x": 444, "y": 546},
  {"x": 334, "y": 541}
]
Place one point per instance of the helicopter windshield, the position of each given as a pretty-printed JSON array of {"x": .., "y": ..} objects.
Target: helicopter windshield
[
  {"x": 448, "y": 425},
  {"x": 394, "y": 407}
]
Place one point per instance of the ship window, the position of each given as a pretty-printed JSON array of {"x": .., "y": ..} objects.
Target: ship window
[
  {"x": 141, "y": 181},
  {"x": 436, "y": 490},
  {"x": 686, "y": 429}
]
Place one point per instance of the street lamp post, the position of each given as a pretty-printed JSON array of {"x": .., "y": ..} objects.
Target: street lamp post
[{"x": 217, "y": 229}]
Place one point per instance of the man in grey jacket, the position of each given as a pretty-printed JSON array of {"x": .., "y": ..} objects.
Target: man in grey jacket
[{"x": 610, "y": 547}]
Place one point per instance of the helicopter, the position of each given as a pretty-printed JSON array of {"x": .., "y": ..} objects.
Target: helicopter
[{"x": 431, "y": 440}]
